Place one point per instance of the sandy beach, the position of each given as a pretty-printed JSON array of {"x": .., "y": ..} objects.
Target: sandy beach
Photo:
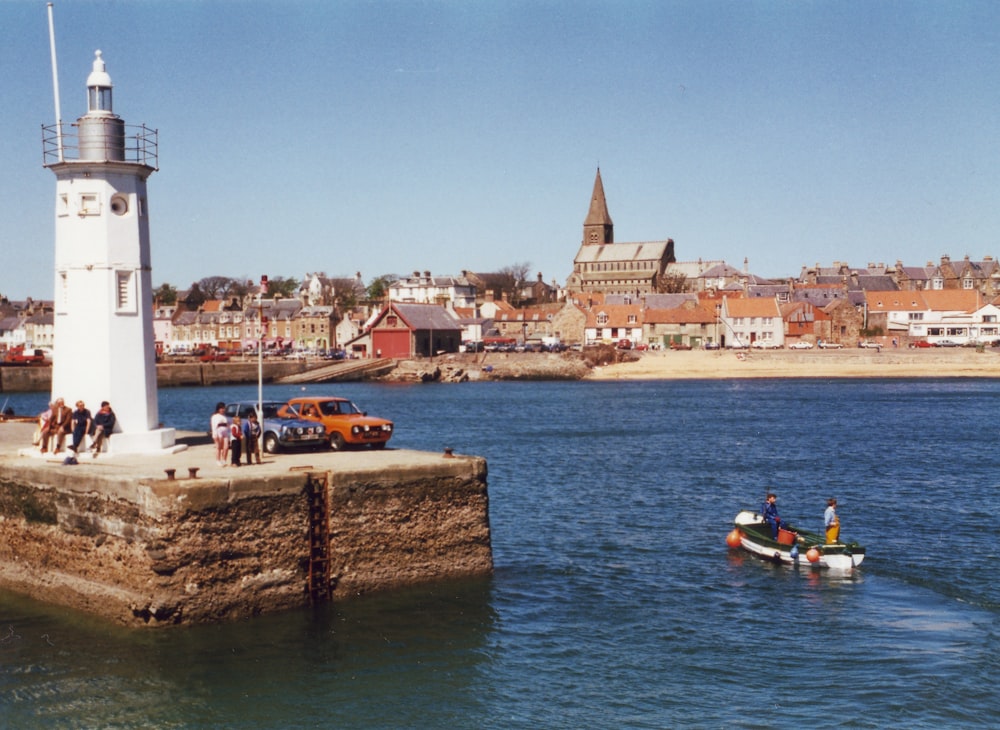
[{"x": 856, "y": 363}]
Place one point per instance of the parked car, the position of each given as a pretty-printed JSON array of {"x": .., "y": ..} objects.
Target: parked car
[
  {"x": 277, "y": 431},
  {"x": 800, "y": 345},
  {"x": 20, "y": 356},
  {"x": 215, "y": 357},
  {"x": 346, "y": 424},
  {"x": 766, "y": 345},
  {"x": 711, "y": 345},
  {"x": 920, "y": 343},
  {"x": 831, "y": 345},
  {"x": 679, "y": 346},
  {"x": 624, "y": 344},
  {"x": 868, "y": 344},
  {"x": 946, "y": 343}
]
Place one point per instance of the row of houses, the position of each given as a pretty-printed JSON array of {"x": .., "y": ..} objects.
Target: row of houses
[{"x": 729, "y": 318}]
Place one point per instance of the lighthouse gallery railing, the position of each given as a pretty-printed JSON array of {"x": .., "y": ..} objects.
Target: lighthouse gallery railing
[{"x": 134, "y": 143}]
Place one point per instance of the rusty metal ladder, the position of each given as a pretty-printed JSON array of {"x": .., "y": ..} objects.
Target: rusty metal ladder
[{"x": 318, "y": 584}]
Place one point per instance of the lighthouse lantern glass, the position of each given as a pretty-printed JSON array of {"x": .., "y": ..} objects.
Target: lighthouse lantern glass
[{"x": 99, "y": 99}]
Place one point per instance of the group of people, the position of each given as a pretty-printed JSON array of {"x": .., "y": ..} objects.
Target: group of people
[
  {"x": 59, "y": 421},
  {"x": 831, "y": 523},
  {"x": 233, "y": 439}
]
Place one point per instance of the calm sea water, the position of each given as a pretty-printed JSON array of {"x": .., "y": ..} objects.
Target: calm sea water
[{"x": 615, "y": 602}]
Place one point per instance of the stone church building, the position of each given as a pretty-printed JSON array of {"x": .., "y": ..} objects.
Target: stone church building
[{"x": 601, "y": 265}]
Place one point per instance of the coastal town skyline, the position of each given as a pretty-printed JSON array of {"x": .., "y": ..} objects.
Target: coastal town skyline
[{"x": 442, "y": 137}]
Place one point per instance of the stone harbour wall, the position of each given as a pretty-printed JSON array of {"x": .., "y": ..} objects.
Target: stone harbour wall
[{"x": 155, "y": 552}]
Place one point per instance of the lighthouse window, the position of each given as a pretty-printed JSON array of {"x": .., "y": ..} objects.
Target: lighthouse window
[
  {"x": 125, "y": 291},
  {"x": 89, "y": 204},
  {"x": 63, "y": 204}
]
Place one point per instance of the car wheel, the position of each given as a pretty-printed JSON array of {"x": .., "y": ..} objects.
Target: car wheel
[
  {"x": 336, "y": 441},
  {"x": 270, "y": 443}
]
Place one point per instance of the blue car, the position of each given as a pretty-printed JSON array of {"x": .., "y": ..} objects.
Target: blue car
[{"x": 278, "y": 432}]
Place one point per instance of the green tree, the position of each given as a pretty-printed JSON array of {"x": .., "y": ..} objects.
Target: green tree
[
  {"x": 286, "y": 288},
  {"x": 672, "y": 283},
  {"x": 214, "y": 287},
  {"x": 378, "y": 288},
  {"x": 165, "y": 294}
]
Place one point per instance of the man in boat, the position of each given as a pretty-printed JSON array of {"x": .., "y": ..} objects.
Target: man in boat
[
  {"x": 831, "y": 522},
  {"x": 769, "y": 510}
]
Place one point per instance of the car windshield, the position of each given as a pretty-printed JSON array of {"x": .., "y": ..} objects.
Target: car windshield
[{"x": 337, "y": 407}]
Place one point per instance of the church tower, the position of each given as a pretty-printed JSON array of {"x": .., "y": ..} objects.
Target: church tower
[
  {"x": 103, "y": 338},
  {"x": 598, "y": 228}
]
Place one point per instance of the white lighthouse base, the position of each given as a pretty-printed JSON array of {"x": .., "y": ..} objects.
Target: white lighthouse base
[{"x": 159, "y": 441}]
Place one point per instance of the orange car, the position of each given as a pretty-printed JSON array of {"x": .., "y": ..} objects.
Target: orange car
[{"x": 346, "y": 424}]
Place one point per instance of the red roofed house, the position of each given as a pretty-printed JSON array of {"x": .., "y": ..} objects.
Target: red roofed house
[
  {"x": 691, "y": 323},
  {"x": 412, "y": 330},
  {"x": 613, "y": 323}
]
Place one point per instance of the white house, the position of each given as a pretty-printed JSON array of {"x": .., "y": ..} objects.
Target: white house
[
  {"x": 751, "y": 322},
  {"x": 426, "y": 289}
]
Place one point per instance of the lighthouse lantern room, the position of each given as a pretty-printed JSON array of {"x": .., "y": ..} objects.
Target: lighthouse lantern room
[{"x": 103, "y": 340}]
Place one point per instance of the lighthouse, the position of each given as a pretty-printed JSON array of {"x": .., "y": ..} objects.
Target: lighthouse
[{"x": 104, "y": 348}]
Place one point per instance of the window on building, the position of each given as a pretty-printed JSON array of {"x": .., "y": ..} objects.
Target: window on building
[{"x": 125, "y": 300}]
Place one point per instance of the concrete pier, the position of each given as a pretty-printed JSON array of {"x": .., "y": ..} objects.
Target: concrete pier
[{"x": 176, "y": 539}]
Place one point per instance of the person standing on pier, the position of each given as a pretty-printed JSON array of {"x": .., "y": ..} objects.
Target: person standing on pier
[
  {"x": 251, "y": 434},
  {"x": 236, "y": 440},
  {"x": 219, "y": 425}
]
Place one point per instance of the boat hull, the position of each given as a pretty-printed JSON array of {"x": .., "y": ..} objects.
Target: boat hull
[{"x": 755, "y": 538}]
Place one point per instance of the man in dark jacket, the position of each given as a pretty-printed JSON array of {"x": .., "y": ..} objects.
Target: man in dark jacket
[{"x": 104, "y": 424}]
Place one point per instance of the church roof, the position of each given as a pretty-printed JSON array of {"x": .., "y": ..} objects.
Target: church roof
[{"x": 644, "y": 251}]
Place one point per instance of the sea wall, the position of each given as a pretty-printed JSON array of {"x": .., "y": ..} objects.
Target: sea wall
[
  {"x": 36, "y": 379},
  {"x": 148, "y": 551}
]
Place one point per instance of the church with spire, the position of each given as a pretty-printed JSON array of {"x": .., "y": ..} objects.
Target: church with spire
[{"x": 601, "y": 265}]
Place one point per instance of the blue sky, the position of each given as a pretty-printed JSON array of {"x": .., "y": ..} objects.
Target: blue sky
[{"x": 387, "y": 137}]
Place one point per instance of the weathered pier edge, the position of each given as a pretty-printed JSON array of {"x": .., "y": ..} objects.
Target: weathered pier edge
[{"x": 149, "y": 551}]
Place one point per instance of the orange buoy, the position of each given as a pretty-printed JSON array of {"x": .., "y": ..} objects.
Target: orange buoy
[
  {"x": 734, "y": 538},
  {"x": 812, "y": 555}
]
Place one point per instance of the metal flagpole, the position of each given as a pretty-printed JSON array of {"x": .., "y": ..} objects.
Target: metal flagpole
[{"x": 55, "y": 83}]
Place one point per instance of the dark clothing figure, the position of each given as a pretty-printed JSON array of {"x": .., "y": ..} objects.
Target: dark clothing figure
[
  {"x": 236, "y": 441},
  {"x": 251, "y": 434},
  {"x": 81, "y": 425},
  {"x": 769, "y": 510},
  {"x": 104, "y": 424}
]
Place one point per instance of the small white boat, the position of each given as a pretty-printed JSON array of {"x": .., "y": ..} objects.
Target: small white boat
[{"x": 793, "y": 546}]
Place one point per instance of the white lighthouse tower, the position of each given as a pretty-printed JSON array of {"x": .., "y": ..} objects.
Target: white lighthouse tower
[{"x": 104, "y": 346}]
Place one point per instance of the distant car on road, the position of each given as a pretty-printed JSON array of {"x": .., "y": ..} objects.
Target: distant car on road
[
  {"x": 800, "y": 345},
  {"x": 946, "y": 343},
  {"x": 920, "y": 343},
  {"x": 215, "y": 357},
  {"x": 766, "y": 345},
  {"x": 277, "y": 431},
  {"x": 345, "y": 423},
  {"x": 869, "y": 345},
  {"x": 679, "y": 346},
  {"x": 831, "y": 346},
  {"x": 711, "y": 346}
]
